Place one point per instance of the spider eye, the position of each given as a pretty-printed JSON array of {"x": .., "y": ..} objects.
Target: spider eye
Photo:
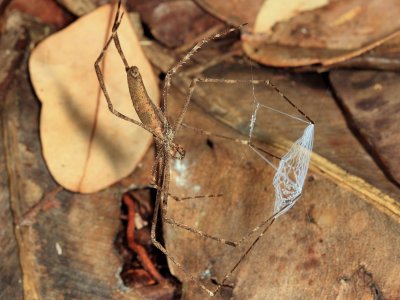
[
  {"x": 178, "y": 152},
  {"x": 134, "y": 71}
]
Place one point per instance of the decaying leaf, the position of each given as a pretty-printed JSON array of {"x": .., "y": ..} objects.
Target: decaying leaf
[
  {"x": 335, "y": 32},
  {"x": 272, "y": 12},
  {"x": 176, "y": 31},
  {"x": 47, "y": 11},
  {"x": 300, "y": 33},
  {"x": 86, "y": 147},
  {"x": 171, "y": 22}
]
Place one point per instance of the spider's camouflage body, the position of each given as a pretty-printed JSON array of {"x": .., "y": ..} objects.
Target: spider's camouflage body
[{"x": 289, "y": 178}]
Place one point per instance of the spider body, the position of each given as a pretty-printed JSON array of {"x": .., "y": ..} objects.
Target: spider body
[
  {"x": 147, "y": 111},
  {"x": 151, "y": 116},
  {"x": 155, "y": 121}
]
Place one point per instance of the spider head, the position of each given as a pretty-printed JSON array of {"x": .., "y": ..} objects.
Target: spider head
[
  {"x": 177, "y": 151},
  {"x": 133, "y": 71}
]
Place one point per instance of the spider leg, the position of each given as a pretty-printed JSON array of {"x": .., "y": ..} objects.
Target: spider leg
[
  {"x": 183, "y": 60},
  {"x": 160, "y": 247},
  {"x": 154, "y": 171},
  {"x": 267, "y": 223},
  {"x": 192, "y": 86},
  {"x": 199, "y": 232},
  {"x": 239, "y": 141},
  {"x": 179, "y": 199},
  {"x": 160, "y": 200},
  {"x": 242, "y": 257},
  {"x": 179, "y": 123},
  {"x": 186, "y": 105},
  {"x": 252, "y": 81},
  {"x": 186, "y": 227},
  {"x": 100, "y": 76}
]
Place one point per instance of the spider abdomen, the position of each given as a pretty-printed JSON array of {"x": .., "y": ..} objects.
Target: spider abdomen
[{"x": 145, "y": 108}]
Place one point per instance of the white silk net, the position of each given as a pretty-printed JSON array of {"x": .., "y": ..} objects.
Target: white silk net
[{"x": 292, "y": 169}]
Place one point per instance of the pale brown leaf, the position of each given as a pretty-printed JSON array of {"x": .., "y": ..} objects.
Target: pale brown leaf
[
  {"x": 272, "y": 12},
  {"x": 64, "y": 79},
  {"x": 326, "y": 35}
]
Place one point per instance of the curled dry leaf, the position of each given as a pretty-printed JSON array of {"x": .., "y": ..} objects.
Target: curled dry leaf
[
  {"x": 87, "y": 148},
  {"x": 272, "y": 12},
  {"x": 261, "y": 15},
  {"x": 300, "y": 33},
  {"x": 332, "y": 33}
]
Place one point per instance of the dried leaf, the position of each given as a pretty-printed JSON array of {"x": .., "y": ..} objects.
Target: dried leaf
[
  {"x": 85, "y": 149},
  {"x": 328, "y": 234},
  {"x": 330, "y": 34},
  {"x": 272, "y": 12},
  {"x": 172, "y": 23},
  {"x": 47, "y": 11}
]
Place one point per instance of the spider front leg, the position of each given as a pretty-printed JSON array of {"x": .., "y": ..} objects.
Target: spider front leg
[
  {"x": 185, "y": 59},
  {"x": 100, "y": 76}
]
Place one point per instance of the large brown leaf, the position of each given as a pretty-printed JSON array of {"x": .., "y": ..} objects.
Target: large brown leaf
[
  {"x": 301, "y": 33},
  {"x": 275, "y": 11},
  {"x": 323, "y": 245},
  {"x": 327, "y": 35},
  {"x": 85, "y": 146}
]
